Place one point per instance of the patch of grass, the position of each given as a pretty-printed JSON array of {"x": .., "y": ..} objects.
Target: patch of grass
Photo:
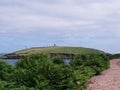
[{"x": 67, "y": 50}]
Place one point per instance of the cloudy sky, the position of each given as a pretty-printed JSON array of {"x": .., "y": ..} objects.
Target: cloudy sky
[{"x": 83, "y": 23}]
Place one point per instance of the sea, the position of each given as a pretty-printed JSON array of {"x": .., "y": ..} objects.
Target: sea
[
  {"x": 14, "y": 61},
  {"x": 10, "y": 61}
]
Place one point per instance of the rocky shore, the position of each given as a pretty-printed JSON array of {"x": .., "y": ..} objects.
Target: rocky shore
[{"x": 12, "y": 56}]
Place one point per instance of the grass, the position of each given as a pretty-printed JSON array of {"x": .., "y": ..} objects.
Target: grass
[{"x": 67, "y": 50}]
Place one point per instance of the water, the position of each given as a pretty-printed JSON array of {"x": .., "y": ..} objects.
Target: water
[
  {"x": 11, "y": 61},
  {"x": 14, "y": 61},
  {"x": 67, "y": 61}
]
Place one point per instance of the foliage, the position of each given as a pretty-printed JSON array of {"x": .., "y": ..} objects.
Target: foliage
[
  {"x": 10, "y": 86},
  {"x": 44, "y": 73},
  {"x": 98, "y": 62},
  {"x": 58, "y": 60},
  {"x": 115, "y": 56},
  {"x": 81, "y": 76},
  {"x": 40, "y": 72},
  {"x": 5, "y": 70}
]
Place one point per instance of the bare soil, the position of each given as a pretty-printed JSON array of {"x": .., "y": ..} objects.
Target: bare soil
[{"x": 109, "y": 80}]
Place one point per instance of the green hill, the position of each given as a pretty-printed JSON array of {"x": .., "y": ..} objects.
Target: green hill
[
  {"x": 115, "y": 56},
  {"x": 67, "y": 50}
]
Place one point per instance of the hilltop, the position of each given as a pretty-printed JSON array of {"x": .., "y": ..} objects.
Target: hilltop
[
  {"x": 53, "y": 49},
  {"x": 56, "y": 49}
]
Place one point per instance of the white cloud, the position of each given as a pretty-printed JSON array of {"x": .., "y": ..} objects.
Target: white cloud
[
  {"x": 76, "y": 22},
  {"x": 64, "y": 14}
]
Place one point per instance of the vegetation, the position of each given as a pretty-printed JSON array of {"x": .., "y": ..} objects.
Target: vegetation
[
  {"x": 115, "y": 56},
  {"x": 56, "y": 49},
  {"x": 97, "y": 62},
  {"x": 39, "y": 72}
]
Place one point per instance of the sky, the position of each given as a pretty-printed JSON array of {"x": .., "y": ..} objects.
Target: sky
[{"x": 81, "y": 23}]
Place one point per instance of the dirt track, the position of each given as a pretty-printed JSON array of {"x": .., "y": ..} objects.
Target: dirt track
[{"x": 109, "y": 80}]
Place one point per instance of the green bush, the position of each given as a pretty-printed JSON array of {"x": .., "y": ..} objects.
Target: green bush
[
  {"x": 5, "y": 71},
  {"x": 44, "y": 73},
  {"x": 7, "y": 86},
  {"x": 82, "y": 75},
  {"x": 40, "y": 72},
  {"x": 58, "y": 60},
  {"x": 98, "y": 62}
]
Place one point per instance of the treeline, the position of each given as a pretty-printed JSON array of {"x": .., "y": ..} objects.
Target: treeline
[{"x": 39, "y": 72}]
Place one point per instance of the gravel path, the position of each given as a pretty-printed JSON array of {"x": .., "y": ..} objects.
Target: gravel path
[{"x": 109, "y": 80}]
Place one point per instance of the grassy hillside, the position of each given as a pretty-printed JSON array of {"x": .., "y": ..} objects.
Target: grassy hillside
[
  {"x": 115, "y": 56},
  {"x": 68, "y": 50}
]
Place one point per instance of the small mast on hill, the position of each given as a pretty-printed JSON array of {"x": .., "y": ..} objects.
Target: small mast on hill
[{"x": 54, "y": 45}]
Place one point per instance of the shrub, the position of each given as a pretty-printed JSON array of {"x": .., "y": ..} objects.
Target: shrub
[
  {"x": 5, "y": 70},
  {"x": 98, "y": 62},
  {"x": 58, "y": 60},
  {"x": 40, "y": 72},
  {"x": 43, "y": 73}
]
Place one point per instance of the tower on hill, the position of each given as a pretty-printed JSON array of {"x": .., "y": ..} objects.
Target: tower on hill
[{"x": 54, "y": 45}]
